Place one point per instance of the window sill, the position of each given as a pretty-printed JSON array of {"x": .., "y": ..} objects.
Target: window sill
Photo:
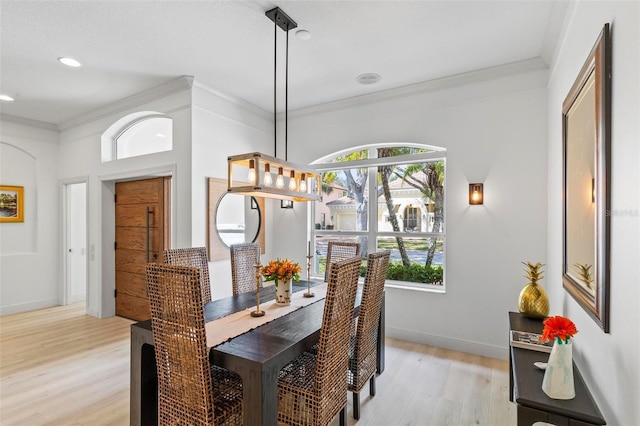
[{"x": 415, "y": 287}]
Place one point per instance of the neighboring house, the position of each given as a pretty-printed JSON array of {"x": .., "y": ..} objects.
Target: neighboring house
[
  {"x": 414, "y": 211},
  {"x": 324, "y": 218}
]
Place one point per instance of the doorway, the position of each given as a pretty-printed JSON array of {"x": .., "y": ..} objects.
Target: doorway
[
  {"x": 76, "y": 242},
  {"x": 142, "y": 232}
]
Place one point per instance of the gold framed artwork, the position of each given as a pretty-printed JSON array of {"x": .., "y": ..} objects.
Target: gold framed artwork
[
  {"x": 586, "y": 139},
  {"x": 11, "y": 203}
]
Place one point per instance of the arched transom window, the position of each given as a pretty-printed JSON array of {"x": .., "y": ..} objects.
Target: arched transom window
[{"x": 137, "y": 134}]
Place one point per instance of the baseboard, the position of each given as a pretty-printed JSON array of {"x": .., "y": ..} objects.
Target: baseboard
[
  {"x": 475, "y": 348},
  {"x": 79, "y": 297},
  {"x": 30, "y": 306}
]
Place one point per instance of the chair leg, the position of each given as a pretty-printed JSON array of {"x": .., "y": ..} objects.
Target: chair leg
[
  {"x": 372, "y": 385},
  {"x": 343, "y": 416},
  {"x": 356, "y": 405}
]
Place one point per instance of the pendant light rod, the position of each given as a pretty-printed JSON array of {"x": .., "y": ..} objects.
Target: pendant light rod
[
  {"x": 275, "y": 85},
  {"x": 286, "y": 101},
  {"x": 304, "y": 184},
  {"x": 284, "y": 21}
]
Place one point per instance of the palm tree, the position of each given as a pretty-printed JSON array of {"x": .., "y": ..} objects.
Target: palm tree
[
  {"x": 432, "y": 187},
  {"x": 385, "y": 172}
]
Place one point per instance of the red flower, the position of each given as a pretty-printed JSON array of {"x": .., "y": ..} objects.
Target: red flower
[{"x": 558, "y": 327}]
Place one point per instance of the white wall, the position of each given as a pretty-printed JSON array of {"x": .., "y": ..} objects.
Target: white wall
[
  {"x": 610, "y": 363},
  {"x": 494, "y": 132},
  {"x": 222, "y": 126},
  {"x": 45, "y": 159},
  {"x": 29, "y": 251}
]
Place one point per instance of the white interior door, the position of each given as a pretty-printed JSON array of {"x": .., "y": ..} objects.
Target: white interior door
[{"x": 76, "y": 242}]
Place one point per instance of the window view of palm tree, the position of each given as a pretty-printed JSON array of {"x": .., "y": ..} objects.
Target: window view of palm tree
[{"x": 409, "y": 212}]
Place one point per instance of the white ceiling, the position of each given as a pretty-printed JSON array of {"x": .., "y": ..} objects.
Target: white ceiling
[{"x": 131, "y": 46}]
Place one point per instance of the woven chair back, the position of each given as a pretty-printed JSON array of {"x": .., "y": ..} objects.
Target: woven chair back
[
  {"x": 337, "y": 251},
  {"x": 332, "y": 361},
  {"x": 185, "y": 389},
  {"x": 244, "y": 257},
  {"x": 362, "y": 364},
  {"x": 195, "y": 257}
]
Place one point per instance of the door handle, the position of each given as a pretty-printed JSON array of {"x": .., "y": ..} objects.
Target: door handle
[{"x": 149, "y": 212}]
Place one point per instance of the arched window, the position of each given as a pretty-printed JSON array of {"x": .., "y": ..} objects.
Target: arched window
[
  {"x": 137, "y": 134},
  {"x": 407, "y": 218}
]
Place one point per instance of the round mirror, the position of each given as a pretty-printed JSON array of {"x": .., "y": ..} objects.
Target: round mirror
[{"x": 238, "y": 219}]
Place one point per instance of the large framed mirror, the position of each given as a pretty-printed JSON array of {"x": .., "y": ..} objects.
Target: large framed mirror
[
  {"x": 586, "y": 136},
  {"x": 232, "y": 219}
]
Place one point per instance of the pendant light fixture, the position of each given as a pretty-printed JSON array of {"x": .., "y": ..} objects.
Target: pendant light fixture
[{"x": 304, "y": 184}]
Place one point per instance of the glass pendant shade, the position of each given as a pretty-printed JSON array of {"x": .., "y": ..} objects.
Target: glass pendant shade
[
  {"x": 292, "y": 181},
  {"x": 280, "y": 178},
  {"x": 268, "y": 180},
  {"x": 303, "y": 183},
  {"x": 252, "y": 171}
]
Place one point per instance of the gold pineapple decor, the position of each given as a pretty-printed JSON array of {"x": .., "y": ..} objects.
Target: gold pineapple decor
[{"x": 533, "y": 301}]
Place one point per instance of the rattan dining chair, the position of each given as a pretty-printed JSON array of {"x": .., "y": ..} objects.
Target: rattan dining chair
[
  {"x": 363, "y": 345},
  {"x": 195, "y": 257},
  {"x": 244, "y": 257},
  {"x": 337, "y": 251},
  {"x": 312, "y": 388},
  {"x": 190, "y": 390}
]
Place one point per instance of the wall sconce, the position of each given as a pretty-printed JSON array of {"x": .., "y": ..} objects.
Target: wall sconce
[
  {"x": 286, "y": 204},
  {"x": 476, "y": 193}
]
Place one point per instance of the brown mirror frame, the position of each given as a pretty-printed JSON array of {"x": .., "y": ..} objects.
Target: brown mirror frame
[{"x": 586, "y": 140}]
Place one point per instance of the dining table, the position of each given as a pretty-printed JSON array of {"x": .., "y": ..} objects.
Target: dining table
[{"x": 257, "y": 354}]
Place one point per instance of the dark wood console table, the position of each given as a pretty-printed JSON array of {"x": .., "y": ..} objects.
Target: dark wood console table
[{"x": 525, "y": 386}]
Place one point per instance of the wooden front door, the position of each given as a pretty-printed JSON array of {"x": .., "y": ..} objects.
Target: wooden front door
[{"x": 142, "y": 232}]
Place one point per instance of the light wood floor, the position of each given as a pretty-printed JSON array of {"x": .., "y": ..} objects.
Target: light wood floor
[{"x": 59, "y": 366}]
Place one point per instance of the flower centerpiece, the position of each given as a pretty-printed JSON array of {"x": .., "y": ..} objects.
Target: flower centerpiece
[
  {"x": 559, "y": 329},
  {"x": 558, "y": 376},
  {"x": 282, "y": 271}
]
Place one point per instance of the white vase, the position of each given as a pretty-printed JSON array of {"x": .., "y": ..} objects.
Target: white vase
[
  {"x": 283, "y": 292},
  {"x": 558, "y": 376}
]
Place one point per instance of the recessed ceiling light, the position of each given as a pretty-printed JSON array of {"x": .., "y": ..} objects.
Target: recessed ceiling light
[
  {"x": 303, "y": 34},
  {"x": 70, "y": 62},
  {"x": 6, "y": 98},
  {"x": 368, "y": 78}
]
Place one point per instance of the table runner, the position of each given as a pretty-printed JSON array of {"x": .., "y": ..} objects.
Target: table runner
[{"x": 225, "y": 328}]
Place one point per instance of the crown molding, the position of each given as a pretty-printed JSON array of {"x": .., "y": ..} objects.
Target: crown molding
[
  {"x": 176, "y": 85},
  {"x": 457, "y": 80},
  {"x": 28, "y": 122},
  {"x": 555, "y": 27},
  {"x": 243, "y": 104}
]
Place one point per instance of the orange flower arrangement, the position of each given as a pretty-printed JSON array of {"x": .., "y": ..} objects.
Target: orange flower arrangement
[
  {"x": 281, "y": 270},
  {"x": 559, "y": 328}
]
